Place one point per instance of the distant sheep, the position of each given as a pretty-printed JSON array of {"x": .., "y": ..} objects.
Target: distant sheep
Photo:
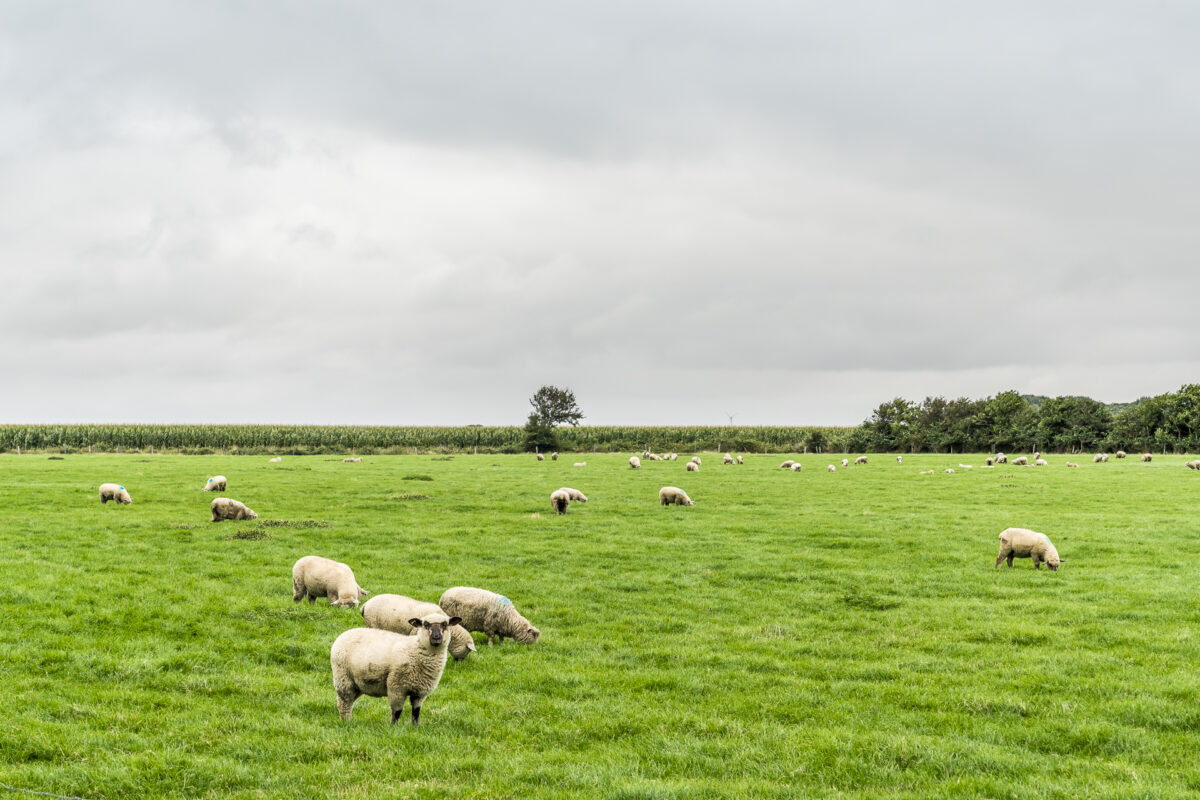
[
  {"x": 845, "y": 462},
  {"x": 989, "y": 461},
  {"x": 926, "y": 472},
  {"x": 1096, "y": 459},
  {"x": 739, "y": 459},
  {"x": 559, "y": 500},
  {"x": 488, "y": 612},
  {"x": 226, "y": 508},
  {"x": 541, "y": 457},
  {"x": 314, "y": 576},
  {"x": 860, "y": 460},
  {"x": 728, "y": 459},
  {"x": 966, "y": 466},
  {"x": 634, "y": 462},
  {"x": 948, "y": 470},
  {"x": 1069, "y": 464},
  {"x": 1120, "y": 454},
  {"x": 1037, "y": 454},
  {"x": 395, "y": 613},
  {"x": 797, "y": 467},
  {"x": 352, "y": 460},
  {"x": 787, "y": 464},
  {"x": 696, "y": 459},
  {"x": 673, "y": 496},
  {"x": 1024, "y": 543},
  {"x": 1001, "y": 458},
  {"x": 692, "y": 466},
  {"x": 1041, "y": 462},
  {"x": 899, "y": 459},
  {"x": 831, "y": 468},
  {"x": 673, "y": 457},
  {"x": 111, "y": 491},
  {"x": 554, "y": 456},
  {"x": 1021, "y": 461},
  {"x": 575, "y": 495},
  {"x": 275, "y": 460},
  {"x": 581, "y": 463},
  {"x": 1147, "y": 457},
  {"x": 1193, "y": 464},
  {"x": 215, "y": 484},
  {"x": 380, "y": 663}
]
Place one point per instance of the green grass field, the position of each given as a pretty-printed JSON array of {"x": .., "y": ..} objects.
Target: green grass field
[{"x": 791, "y": 635}]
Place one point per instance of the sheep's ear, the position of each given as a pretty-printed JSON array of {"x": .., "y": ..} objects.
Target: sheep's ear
[
  {"x": 455, "y": 621},
  {"x": 416, "y": 622}
]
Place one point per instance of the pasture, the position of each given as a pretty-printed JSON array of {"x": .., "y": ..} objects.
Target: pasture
[{"x": 805, "y": 634}]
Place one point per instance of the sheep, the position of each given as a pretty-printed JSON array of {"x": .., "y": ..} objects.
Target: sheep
[
  {"x": 787, "y": 464},
  {"x": 352, "y": 460},
  {"x": 1096, "y": 459},
  {"x": 739, "y": 459},
  {"x": 541, "y": 457},
  {"x": 395, "y": 612},
  {"x": 1070, "y": 464},
  {"x": 966, "y": 466},
  {"x": 1037, "y": 454},
  {"x": 1041, "y": 462},
  {"x": 581, "y": 463},
  {"x": 1001, "y": 458},
  {"x": 492, "y": 613},
  {"x": 559, "y": 500},
  {"x": 845, "y": 463},
  {"x": 215, "y": 484},
  {"x": 275, "y": 460},
  {"x": 554, "y": 456},
  {"x": 1193, "y": 464},
  {"x": 1146, "y": 457},
  {"x": 1021, "y": 461},
  {"x": 653, "y": 457},
  {"x": 696, "y": 460},
  {"x": 728, "y": 459},
  {"x": 673, "y": 457},
  {"x": 1120, "y": 454},
  {"x": 1104, "y": 457},
  {"x": 314, "y": 576},
  {"x": 111, "y": 491},
  {"x": 831, "y": 468},
  {"x": 899, "y": 459},
  {"x": 797, "y": 467},
  {"x": 673, "y": 496},
  {"x": 926, "y": 472},
  {"x": 226, "y": 508},
  {"x": 860, "y": 460},
  {"x": 634, "y": 462},
  {"x": 1024, "y": 543},
  {"x": 989, "y": 461},
  {"x": 948, "y": 470},
  {"x": 692, "y": 466},
  {"x": 380, "y": 663},
  {"x": 575, "y": 495}
]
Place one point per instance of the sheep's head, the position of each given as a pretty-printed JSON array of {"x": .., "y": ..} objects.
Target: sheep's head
[
  {"x": 527, "y": 634},
  {"x": 250, "y": 514},
  {"x": 345, "y": 602},
  {"x": 461, "y": 643},
  {"x": 1053, "y": 561},
  {"x": 435, "y": 627}
]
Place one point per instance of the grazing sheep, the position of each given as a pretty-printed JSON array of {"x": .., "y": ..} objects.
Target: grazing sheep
[
  {"x": 559, "y": 500},
  {"x": 215, "y": 484},
  {"x": 1021, "y": 461},
  {"x": 314, "y": 576},
  {"x": 966, "y": 466},
  {"x": 352, "y": 460},
  {"x": 1024, "y": 543},
  {"x": 575, "y": 495},
  {"x": 395, "y": 613},
  {"x": 1069, "y": 464},
  {"x": 1001, "y": 458},
  {"x": 581, "y": 463},
  {"x": 380, "y": 663},
  {"x": 831, "y": 468},
  {"x": 111, "y": 491},
  {"x": 845, "y": 462},
  {"x": 739, "y": 459},
  {"x": 1041, "y": 462},
  {"x": 692, "y": 466},
  {"x": 275, "y": 460},
  {"x": 989, "y": 461},
  {"x": 226, "y": 508},
  {"x": 1193, "y": 464},
  {"x": 1037, "y": 454},
  {"x": 696, "y": 459},
  {"x": 948, "y": 470},
  {"x": 653, "y": 457},
  {"x": 728, "y": 459},
  {"x": 674, "y": 457},
  {"x": 797, "y": 467},
  {"x": 787, "y": 464},
  {"x": 1120, "y": 454},
  {"x": 541, "y": 457},
  {"x": 673, "y": 496},
  {"x": 860, "y": 460},
  {"x": 1146, "y": 457},
  {"x": 1096, "y": 459},
  {"x": 899, "y": 459},
  {"x": 554, "y": 456},
  {"x": 492, "y": 613},
  {"x": 634, "y": 462}
]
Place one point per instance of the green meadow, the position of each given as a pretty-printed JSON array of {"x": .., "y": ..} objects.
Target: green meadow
[{"x": 805, "y": 634}]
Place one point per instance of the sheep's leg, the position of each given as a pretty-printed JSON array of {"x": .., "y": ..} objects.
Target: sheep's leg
[
  {"x": 416, "y": 707},
  {"x": 999, "y": 558},
  {"x": 1010, "y": 559},
  {"x": 489, "y": 640},
  {"x": 345, "y": 700}
]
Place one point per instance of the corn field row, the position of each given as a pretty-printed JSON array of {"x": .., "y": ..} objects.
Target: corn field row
[{"x": 312, "y": 439}]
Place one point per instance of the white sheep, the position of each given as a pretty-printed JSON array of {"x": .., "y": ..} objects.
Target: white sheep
[
  {"x": 1193, "y": 464},
  {"x": 580, "y": 463},
  {"x": 395, "y": 613},
  {"x": 739, "y": 460},
  {"x": 559, "y": 500},
  {"x": 845, "y": 463},
  {"x": 634, "y": 462},
  {"x": 831, "y": 468},
  {"x": 491, "y": 613},
  {"x": 380, "y": 663},
  {"x": 275, "y": 460},
  {"x": 541, "y": 457},
  {"x": 673, "y": 457},
  {"x": 1024, "y": 543},
  {"x": 575, "y": 495},
  {"x": 1073, "y": 465},
  {"x": 1021, "y": 461},
  {"x": 692, "y": 466},
  {"x": 1120, "y": 454},
  {"x": 1041, "y": 462},
  {"x": 1001, "y": 458},
  {"x": 860, "y": 460},
  {"x": 966, "y": 466},
  {"x": 989, "y": 461},
  {"x": 696, "y": 459},
  {"x": 899, "y": 459},
  {"x": 554, "y": 456},
  {"x": 728, "y": 459},
  {"x": 227, "y": 508},
  {"x": 111, "y": 491},
  {"x": 797, "y": 467},
  {"x": 1099, "y": 457},
  {"x": 948, "y": 470},
  {"x": 1146, "y": 457},
  {"x": 215, "y": 484},
  {"x": 352, "y": 460},
  {"x": 787, "y": 464},
  {"x": 314, "y": 576},
  {"x": 1037, "y": 454},
  {"x": 673, "y": 496}
]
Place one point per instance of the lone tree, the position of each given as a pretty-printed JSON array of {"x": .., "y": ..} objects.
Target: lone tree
[{"x": 552, "y": 406}]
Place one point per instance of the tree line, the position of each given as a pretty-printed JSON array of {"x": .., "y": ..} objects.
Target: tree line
[{"x": 1166, "y": 423}]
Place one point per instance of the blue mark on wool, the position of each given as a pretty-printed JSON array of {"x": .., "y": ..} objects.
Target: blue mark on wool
[
  {"x": 122, "y": 488},
  {"x": 504, "y": 601}
]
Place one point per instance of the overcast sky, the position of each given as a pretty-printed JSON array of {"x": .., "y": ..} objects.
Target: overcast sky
[{"x": 419, "y": 213}]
